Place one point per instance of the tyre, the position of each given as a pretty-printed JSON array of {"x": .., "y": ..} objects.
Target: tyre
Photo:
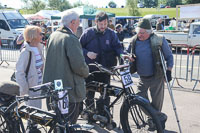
[
  {"x": 4, "y": 124},
  {"x": 71, "y": 131},
  {"x": 138, "y": 116},
  {"x": 81, "y": 131}
]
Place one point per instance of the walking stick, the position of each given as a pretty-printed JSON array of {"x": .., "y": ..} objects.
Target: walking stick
[{"x": 169, "y": 89}]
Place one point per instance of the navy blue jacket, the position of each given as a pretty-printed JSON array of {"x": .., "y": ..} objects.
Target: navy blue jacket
[{"x": 107, "y": 42}]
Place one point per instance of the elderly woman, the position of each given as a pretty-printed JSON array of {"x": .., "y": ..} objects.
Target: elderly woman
[
  {"x": 30, "y": 59},
  {"x": 29, "y": 66}
]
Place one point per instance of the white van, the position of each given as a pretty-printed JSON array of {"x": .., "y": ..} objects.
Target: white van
[
  {"x": 12, "y": 23},
  {"x": 154, "y": 17}
]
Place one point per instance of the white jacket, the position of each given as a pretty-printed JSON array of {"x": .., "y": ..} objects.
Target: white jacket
[{"x": 21, "y": 65}]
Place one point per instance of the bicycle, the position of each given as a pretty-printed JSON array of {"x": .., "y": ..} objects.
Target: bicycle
[
  {"x": 11, "y": 114},
  {"x": 136, "y": 112}
]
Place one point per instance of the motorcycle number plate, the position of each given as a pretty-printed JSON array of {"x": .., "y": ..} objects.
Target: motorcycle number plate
[
  {"x": 63, "y": 104},
  {"x": 126, "y": 78}
]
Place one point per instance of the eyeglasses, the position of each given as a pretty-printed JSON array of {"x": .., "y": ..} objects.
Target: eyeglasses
[
  {"x": 41, "y": 34},
  {"x": 142, "y": 33}
]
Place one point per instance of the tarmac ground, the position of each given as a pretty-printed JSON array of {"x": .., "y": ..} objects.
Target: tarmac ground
[{"x": 187, "y": 103}]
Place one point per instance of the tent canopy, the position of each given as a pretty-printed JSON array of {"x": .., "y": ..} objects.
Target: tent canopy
[
  {"x": 85, "y": 12},
  {"x": 47, "y": 13},
  {"x": 127, "y": 17},
  {"x": 35, "y": 17}
]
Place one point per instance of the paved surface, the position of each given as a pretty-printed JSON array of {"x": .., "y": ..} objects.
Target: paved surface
[{"x": 187, "y": 105}]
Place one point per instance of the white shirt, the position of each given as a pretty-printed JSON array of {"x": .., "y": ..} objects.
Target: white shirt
[{"x": 38, "y": 63}]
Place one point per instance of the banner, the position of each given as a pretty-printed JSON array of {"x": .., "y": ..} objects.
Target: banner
[{"x": 190, "y": 12}]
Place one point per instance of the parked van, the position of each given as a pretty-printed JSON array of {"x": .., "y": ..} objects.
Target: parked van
[
  {"x": 154, "y": 17},
  {"x": 12, "y": 23}
]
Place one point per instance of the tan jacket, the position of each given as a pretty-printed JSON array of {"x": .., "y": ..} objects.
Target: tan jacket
[{"x": 21, "y": 65}]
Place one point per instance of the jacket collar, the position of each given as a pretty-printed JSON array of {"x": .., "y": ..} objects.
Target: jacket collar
[
  {"x": 27, "y": 46},
  {"x": 65, "y": 30}
]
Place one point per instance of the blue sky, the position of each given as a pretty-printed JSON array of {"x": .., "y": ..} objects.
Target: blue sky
[{"x": 17, "y": 4}]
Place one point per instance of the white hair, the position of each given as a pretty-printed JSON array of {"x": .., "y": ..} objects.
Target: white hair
[
  {"x": 149, "y": 31},
  {"x": 68, "y": 17}
]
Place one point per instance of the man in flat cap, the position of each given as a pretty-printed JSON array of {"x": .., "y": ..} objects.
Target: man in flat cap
[{"x": 145, "y": 46}]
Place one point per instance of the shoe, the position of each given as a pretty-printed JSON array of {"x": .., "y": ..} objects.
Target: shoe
[
  {"x": 152, "y": 126},
  {"x": 163, "y": 119}
]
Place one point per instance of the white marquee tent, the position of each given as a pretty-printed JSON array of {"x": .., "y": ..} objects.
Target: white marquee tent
[{"x": 47, "y": 13}]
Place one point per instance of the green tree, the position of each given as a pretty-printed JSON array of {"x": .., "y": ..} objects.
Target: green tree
[
  {"x": 132, "y": 7},
  {"x": 26, "y": 3},
  {"x": 192, "y": 1},
  {"x": 34, "y": 5},
  {"x": 112, "y": 4},
  {"x": 79, "y": 3},
  {"x": 150, "y": 3},
  {"x": 37, "y": 5},
  {"x": 171, "y": 3},
  {"x": 59, "y": 4}
]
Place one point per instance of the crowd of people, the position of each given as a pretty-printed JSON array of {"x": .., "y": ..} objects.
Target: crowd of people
[{"x": 68, "y": 58}]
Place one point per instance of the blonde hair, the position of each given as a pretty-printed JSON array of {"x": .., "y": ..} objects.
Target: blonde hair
[{"x": 30, "y": 33}]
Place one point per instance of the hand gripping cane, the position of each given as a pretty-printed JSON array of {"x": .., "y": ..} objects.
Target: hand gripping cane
[{"x": 169, "y": 88}]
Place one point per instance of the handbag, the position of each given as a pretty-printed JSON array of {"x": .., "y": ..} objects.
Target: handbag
[{"x": 13, "y": 78}]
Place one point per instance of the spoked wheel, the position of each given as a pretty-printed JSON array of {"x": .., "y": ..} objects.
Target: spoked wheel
[
  {"x": 58, "y": 130},
  {"x": 4, "y": 124},
  {"x": 138, "y": 117},
  {"x": 81, "y": 131}
]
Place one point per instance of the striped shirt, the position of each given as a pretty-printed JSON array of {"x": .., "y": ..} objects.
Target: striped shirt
[{"x": 38, "y": 63}]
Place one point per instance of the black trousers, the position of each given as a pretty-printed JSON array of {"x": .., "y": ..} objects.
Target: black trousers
[
  {"x": 99, "y": 77},
  {"x": 73, "y": 112}
]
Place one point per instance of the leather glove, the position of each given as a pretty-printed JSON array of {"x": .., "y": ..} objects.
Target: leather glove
[{"x": 169, "y": 75}]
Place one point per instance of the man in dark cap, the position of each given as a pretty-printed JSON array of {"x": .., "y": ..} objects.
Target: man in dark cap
[{"x": 145, "y": 46}]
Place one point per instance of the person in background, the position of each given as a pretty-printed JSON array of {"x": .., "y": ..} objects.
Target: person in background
[
  {"x": 20, "y": 40},
  {"x": 43, "y": 27},
  {"x": 159, "y": 25},
  {"x": 111, "y": 25},
  {"x": 172, "y": 23},
  {"x": 79, "y": 31},
  {"x": 32, "y": 51},
  {"x": 37, "y": 24},
  {"x": 120, "y": 33},
  {"x": 65, "y": 61},
  {"x": 100, "y": 44},
  {"x": 145, "y": 46}
]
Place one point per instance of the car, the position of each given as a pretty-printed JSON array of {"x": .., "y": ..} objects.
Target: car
[
  {"x": 140, "y": 5},
  {"x": 168, "y": 7},
  {"x": 162, "y": 6}
]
